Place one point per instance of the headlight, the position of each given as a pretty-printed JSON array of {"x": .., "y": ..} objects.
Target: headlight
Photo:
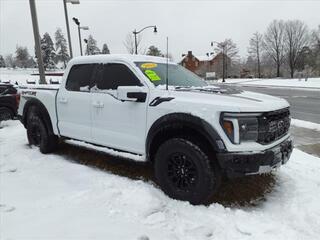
[{"x": 240, "y": 127}]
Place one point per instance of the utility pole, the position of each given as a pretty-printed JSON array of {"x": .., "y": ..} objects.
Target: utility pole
[
  {"x": 68, "y": 28},
  {"x": 37, "y": 41}
]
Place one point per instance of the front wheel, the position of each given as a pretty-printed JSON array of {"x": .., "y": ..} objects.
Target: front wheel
[
  {"x": 37, "y": 133},
  {"x": 183, "y": 171}
]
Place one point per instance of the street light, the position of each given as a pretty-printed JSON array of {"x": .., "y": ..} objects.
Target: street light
[
  {"x": 76, "y": 20},
  {"x": 67, "y": 21},
  {"x": 137, "y": 32},
  {"x": 222, "y": 45}
]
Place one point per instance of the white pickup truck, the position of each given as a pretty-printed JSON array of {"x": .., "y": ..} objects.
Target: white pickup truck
[{"x": 193, "y": 133}]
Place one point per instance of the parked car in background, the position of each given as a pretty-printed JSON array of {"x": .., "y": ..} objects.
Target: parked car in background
[{"x": 9, "y": 102}]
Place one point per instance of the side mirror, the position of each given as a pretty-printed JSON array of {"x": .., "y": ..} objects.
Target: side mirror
[{"x": 131, "y": 93}]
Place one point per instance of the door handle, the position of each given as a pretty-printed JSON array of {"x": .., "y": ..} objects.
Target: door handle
[
  {"x": 98, "y": 104},
  {"x": 63, "y": 100}
]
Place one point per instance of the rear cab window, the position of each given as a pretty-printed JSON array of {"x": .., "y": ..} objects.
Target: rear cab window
[{"x": 80, "y": 77}]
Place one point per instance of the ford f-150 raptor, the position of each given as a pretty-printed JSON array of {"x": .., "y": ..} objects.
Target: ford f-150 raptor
[{"x": 192, "y": 133}]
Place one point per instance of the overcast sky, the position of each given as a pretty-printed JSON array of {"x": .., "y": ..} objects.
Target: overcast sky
[{"x": 190, "y": 25}]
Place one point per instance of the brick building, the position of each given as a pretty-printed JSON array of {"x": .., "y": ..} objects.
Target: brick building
[{"x": 200, "y": 65}]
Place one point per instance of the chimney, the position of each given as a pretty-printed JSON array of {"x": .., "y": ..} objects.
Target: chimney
[{"x": 189, "y": 53}]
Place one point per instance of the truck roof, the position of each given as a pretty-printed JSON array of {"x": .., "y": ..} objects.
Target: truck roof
[{"x": 118, "y": 57}]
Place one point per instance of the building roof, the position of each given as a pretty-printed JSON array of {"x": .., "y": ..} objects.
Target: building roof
[{"x": 201, "y": 58}]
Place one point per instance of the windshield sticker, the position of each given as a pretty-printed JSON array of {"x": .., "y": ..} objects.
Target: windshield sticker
[
  {"x": 152, "y": 75},
  {"x": 148, "y": 65}
]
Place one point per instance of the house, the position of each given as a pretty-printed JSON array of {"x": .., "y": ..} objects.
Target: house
[{"x": 205, "y": 65}]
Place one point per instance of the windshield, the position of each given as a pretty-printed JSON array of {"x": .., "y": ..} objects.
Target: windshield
[{"x": 177, "y": 75}]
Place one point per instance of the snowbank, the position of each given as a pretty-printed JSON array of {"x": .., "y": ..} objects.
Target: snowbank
[
  {"x": 305, "y": 124},
  {"x": 53, "y": 197},
  {"x": 277, "y": 82},
  {"x": 23, "y": 76}
]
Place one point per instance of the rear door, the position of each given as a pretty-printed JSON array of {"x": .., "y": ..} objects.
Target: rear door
[
  {"x": 115, "y": 123},
  {"x": 74, "y": 103}
]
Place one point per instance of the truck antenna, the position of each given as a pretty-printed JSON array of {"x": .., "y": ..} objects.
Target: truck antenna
[{"x": 167, "y": 65}]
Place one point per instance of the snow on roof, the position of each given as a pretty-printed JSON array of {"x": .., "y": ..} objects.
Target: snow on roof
[
  {"x": 200, "y": 58},
  {"x": 118, "y": 57},
  {"x": 205, "y": 57}
]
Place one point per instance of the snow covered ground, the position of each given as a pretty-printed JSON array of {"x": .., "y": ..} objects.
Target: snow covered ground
[
  {"x": 54, "y": 197},
  {"x": 23, "y": 76},
  {"x": 311, "y": 83}
]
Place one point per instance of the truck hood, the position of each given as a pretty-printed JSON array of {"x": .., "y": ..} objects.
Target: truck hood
[{"x": 229, "y": 98}]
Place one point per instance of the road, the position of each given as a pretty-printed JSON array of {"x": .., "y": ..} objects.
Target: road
[{"x": 305, "y": 104}]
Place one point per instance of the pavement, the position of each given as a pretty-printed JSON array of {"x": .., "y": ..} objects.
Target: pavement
[{"x": 305, "y": 105}]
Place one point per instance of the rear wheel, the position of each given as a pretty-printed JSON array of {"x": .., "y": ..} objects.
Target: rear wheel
[
  {"x": 38, "y": 134},
  {"x": 185, "y": 172}
]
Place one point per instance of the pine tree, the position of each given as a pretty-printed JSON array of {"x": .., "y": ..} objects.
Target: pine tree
[
  {"x": 47, "y": 51},
  {"x": 154, "y": 51},
  {"x": 22, "y": 57},
  {"x": 92, "y": 48},
  {"x": 61, "y": 47},
  {"x": 105, "y": 49},
  {"x": 2, "y": 62}
]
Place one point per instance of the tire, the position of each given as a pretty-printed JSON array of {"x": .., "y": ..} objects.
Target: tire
[
  {"x": 5, "y": 114},
  {"x": 184, "y": 171},
  {"x": 38, "y": 134}
]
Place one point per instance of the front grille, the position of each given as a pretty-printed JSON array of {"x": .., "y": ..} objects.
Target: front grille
[{"x": 273, "y": 125}]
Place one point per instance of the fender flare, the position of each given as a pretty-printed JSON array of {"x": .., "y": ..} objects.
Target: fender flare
[
  {"x": 195, "y": 123},
  {"x": 44, "y": 115}
]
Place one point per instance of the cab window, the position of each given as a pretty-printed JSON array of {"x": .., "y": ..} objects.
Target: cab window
[{"x": 115, "y": 75}]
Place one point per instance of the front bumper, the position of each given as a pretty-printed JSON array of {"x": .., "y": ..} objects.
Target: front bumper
[{"x": 240, "y": 164}]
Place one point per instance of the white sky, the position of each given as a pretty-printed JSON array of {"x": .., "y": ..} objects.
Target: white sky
[{"x": 190, "y": 25}]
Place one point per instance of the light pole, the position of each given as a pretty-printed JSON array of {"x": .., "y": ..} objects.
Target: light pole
[
  {"x": 37, "y": 40},
  {"x": 221, "y": 45},
  {"x": 137, "y": 32},
  {"x": 76, "y": 20},
  {"x": 67, "y": 21}
]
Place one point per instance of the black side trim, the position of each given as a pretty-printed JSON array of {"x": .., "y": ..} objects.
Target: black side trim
[
  {"x": 172, "y": 121},
  {"x": 159, "y": 100},
  {"x": 43, "y": 113}
]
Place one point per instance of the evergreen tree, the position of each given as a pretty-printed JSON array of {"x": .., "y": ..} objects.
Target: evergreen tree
[
  {"x": 61, "y": 47},
  {"x": 105, "y": 49},
  {"x": 47, "y": 51},
  {"x": 154, "y": 51},
  {"x": 2, "y": 62},
  {"x": 22, "y": 57},
  {"x": 92, "y": 48}
]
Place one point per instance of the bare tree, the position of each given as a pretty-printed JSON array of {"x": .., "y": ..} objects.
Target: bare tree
[
  {"x": 296, "y": 37},
  {"x": 255, "y": 49},
  {"x": 315, "y": 46},
  {"x": 229, "y": 52},
  {"x": 129, "y": 43},
  {"x": 274, "y": 43}
]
